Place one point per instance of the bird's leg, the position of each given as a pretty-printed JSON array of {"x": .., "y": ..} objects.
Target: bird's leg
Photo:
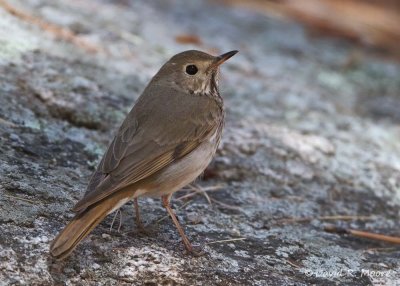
[
  {"x": 186, "y": 242},
  {"x": 138, "y": 220},
  {"x": 120, "y": 220}
]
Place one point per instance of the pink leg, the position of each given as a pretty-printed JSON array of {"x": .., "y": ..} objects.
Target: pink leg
[
  {"x": 138, "y": 220},
  {"x": 185, "y": 240}
]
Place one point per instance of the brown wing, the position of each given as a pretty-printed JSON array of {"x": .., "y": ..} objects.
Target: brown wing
[{"x": 162, "y": 127}]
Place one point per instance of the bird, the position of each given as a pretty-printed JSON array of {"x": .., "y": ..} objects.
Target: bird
[{"x": 165, "y": 142}]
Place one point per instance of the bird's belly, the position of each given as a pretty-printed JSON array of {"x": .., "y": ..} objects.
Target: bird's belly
[{"x": 186, "y": 170}]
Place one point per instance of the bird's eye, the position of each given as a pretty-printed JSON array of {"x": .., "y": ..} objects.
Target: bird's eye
[{"x": 191, "y": 69}]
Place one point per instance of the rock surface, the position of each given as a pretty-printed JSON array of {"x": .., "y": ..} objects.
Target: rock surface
[{"x": 310, "y": 133}]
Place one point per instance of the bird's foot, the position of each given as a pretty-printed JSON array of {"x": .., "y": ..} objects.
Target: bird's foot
[{"x": 194, "y": 250}]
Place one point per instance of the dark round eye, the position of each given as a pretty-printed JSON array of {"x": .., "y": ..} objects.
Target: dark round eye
[{"x": 191, "y": 69}]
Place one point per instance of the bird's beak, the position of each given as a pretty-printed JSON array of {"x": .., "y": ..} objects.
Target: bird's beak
[{"x": 222, "y": 58}]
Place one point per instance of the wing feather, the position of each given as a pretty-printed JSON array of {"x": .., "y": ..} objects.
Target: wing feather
[{"x": 161, "y": 128}]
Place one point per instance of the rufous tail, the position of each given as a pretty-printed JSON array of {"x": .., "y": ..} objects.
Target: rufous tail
[{"x": 80, "y": 226}]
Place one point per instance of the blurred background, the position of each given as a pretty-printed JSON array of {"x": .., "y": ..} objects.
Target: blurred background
[{"x": 371, "y": 23}]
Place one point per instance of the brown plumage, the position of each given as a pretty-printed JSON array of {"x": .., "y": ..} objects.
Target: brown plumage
[{"x": 166, "y": 141}]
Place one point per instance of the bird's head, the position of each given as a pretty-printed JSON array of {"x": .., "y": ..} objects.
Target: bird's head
[{"x": 193, "y": 71}]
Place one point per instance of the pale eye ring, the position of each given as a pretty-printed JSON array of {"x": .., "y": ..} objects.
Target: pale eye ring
[{"x": 191, "y": 69}]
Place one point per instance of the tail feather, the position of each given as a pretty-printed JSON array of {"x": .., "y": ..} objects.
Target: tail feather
[{"x": 80, "y": 226}]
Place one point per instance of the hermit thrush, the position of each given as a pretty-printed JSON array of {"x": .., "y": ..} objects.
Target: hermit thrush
[{"x": 165, "y": 142}]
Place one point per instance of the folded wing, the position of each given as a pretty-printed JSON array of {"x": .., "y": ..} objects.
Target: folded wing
[{"x": 162, "y": 127}]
